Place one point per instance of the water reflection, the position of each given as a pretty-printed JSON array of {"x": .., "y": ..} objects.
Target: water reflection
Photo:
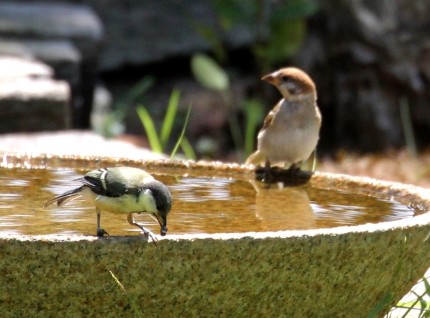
[
  {"x": 203, "y": 189},
  {"x": 280, "y": 207},
  {"x": 201, "y": 205}
]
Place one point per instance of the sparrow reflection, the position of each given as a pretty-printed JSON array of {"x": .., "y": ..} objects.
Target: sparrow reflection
[{"x": 283, "y": 207}]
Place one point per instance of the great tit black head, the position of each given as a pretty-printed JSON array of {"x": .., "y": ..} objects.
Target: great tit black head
[{"x": 163, "y": 203}]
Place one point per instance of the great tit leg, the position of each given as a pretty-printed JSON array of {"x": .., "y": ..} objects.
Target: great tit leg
[
  {"x": 146, "y": 233},
  {"x": 100, "y": 231}
]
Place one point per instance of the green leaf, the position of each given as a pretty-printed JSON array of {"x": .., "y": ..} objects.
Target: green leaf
[
  {"x": 181, "y": 137},
  {"x": 408, "y": 127},
  {"x": 134, "y": 93},
  {"x": 169, "y": 117},
  {"x": 151, "y": 132},
  {"x": 215, "y": 40},
  {"x": 380, "y": 306},
  {"x": 208, "y": 73},
  {"x": 427, "y": 285},
  {"x": 285, "y": 40},
  {"x": 188, "y": 149},
  {"x": 294, "y": 9},
  {"x": 253, "y": 109},
  {"x": 231, "y": 12}
]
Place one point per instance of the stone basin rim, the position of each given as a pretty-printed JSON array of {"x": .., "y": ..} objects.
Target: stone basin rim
[
  {"x": 420, "y": 220},
  {"x": 409, "y": 194}
]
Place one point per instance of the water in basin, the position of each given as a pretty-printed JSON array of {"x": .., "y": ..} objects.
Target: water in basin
[{"x": 201, "y": 205}]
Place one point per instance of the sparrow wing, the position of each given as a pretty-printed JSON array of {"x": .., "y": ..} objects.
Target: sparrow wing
[{"x": 269, "y": 118}]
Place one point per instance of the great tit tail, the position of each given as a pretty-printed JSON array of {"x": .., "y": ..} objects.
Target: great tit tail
[{"x": 63, "y": 197}]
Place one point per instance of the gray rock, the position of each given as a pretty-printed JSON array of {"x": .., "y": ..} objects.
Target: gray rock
[
  {"x": 50, "y": 20},
  {"x": 142, "y": 32},
  {"x": 29, "y": 99},
  {"x": 12, "y": 67},
  {"x": 64, "y": 22},
  {"x": 366, "y": 56},
  {"x": 61, "y": 55}
]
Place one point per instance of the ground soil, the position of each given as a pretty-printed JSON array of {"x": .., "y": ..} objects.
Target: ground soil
[{"x": 395, "y": 165}]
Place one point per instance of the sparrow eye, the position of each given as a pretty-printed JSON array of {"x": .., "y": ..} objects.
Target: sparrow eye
[
  {"x": 285, "y": 79},
  {"x": 291, "y": 85}
]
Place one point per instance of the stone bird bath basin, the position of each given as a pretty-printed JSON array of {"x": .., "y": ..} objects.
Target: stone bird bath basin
[{"x": 346, "y": 271}]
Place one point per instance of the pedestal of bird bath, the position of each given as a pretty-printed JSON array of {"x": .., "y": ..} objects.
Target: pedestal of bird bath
[{"x": 335, "y": 272}]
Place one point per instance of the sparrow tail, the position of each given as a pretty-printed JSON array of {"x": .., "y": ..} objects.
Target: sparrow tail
[{"x": 255, "y": 158}]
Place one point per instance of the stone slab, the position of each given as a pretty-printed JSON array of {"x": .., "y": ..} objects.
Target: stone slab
[
  {"x": 13, "y": 67},
  {"x": 34, "y": 105},
  {"x": 61, "y": 55},
  {"x": 49, "y": 20},
  {"x": 71, "y": 142}
]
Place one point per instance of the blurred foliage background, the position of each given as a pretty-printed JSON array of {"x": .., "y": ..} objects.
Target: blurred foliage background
[{"x": 146, "y": 60}]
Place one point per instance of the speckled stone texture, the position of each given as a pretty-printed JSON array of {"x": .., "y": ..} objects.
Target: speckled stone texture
[
  {"x": 317, "y": 276},
  {"x": 339, "y": 272}
]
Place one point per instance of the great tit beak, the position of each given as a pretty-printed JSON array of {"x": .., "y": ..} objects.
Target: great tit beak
[{"x": 162, "y": 220}]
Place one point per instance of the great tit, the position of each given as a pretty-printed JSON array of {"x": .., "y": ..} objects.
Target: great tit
[{"x": 123, "y": 190}]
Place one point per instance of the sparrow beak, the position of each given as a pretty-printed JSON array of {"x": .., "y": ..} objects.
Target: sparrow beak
[{"x": 271, "y": 79}]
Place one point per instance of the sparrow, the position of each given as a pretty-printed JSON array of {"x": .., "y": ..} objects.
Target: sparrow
[
  {"x": 123, "y": 190},
  {"x": 290, "y": 131}
]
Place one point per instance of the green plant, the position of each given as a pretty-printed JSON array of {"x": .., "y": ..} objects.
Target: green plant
[
  {"x": 408, "y": 129},
  {"x": 210, "y": 75},
  {"x": 253, "y": 110},
  {"x": 419, "y": 305},
  {"x": 159, "y": 141},
  {"x": 280, "y": 30},
  {"x": 310, "y": 164},
  {"x": 112, "y": 123},
  {"x": 278, "y": 27},
  {"x": 380, "y": 305}
]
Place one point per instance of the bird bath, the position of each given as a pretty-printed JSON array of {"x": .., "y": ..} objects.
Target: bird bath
[{"x": 337, "y": 246}]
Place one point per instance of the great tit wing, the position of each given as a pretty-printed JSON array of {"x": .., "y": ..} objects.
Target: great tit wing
[{"x": 100, "y": 183}]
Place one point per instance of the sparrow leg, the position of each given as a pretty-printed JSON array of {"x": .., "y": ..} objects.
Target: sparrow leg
[
  {"x": 295, "y": 167},
  {"x": 267, "y": 178},
  {"x": 294, "y": 170},
  {"x": 100, "y": 231},
  {"x": 146, "y": 233}
]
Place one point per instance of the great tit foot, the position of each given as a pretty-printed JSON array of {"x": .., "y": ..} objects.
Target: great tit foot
[
  {"x": 149, "y": 235},
  {"x": 102, "y": 233}
]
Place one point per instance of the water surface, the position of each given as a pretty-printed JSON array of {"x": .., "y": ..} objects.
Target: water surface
[{"x": 201, "y": 205}]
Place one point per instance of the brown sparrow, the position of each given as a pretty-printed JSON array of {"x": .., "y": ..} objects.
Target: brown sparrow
[{"x": 290, "y": 131}]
